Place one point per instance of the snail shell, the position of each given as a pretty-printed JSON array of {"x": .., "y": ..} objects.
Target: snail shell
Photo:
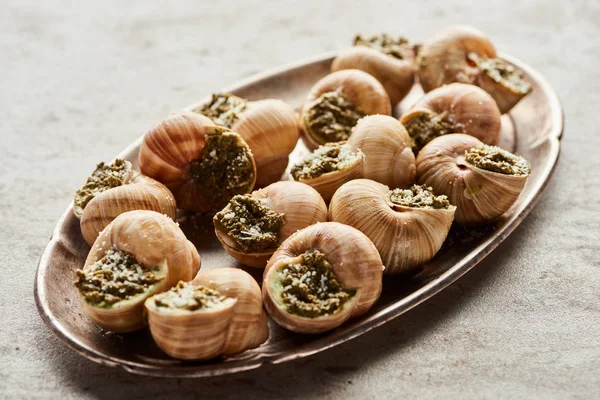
[
  {"x": 361, "y": 89},
  {"x": 479, "y": 195},
  {"x": 302, "y": 206},
  {"x": 153, "y": 239},
  {"x": 461, "y": 54},
  {"x": 406, "y": 237},
  {"x": 203, "y": 334},
  {"x": 355, "y": 263},
  {"x": 387, "y": 149},
  {"x": 468, "y": 108},
  {"x": 168, "y": 153}
]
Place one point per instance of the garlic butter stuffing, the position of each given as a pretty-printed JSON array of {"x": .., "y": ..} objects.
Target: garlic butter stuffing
[
  {"x": 187, "y": 297},
  {"x": 327, "y": 158},
  {"x": 104, "y": 177},
  {"x": 495, "y": 159},
  {"x": 224, "y": 109}
]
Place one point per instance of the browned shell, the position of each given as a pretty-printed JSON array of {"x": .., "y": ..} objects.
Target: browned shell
[
  {"x": 302, "y": 206},
  {"x": 355, "y": 262},
  {"x": 138, "y": 193},
  {"x": 396, "y": 75},
  {"x": 153, "y": 239},
  {"x": 479, "y": 195},
  {"x": 168, "y": 149},
  {"x": 405, "y": 237},
  {"x": 468, "y": 107},
  {"x": 387, "y": 148}
]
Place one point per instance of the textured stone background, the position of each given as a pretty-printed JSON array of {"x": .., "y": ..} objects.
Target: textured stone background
[{"x": 82, "y": 79}]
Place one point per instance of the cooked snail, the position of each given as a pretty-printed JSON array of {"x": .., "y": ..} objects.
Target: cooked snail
[
  {"x": 453, "y": 108},
  {"x": 387, "y": 150},
  {"x": 337, "y": 102},
  {"x": 482, "y": 181},
  {"x": 113, "y": 189},
  {"x": 464, "y": 54},
  {"x": 388, "y": 59},
  {"x": 408, "y": 226},
  {"x": 251, "y": 227},
  {"x": 140, "y": 253},
  {"x": 329, "y": 167},
  {"x": 321, "y": 276},
  {"x": 219, "y": 313},
  {"x": 270, "y": 127},
  {"x": 202, "y": 164}
]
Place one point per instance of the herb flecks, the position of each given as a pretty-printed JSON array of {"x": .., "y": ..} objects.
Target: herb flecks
[
  {"x": 252, "y": 224},
  {"x": 328, "y": 158},
  {"x": 332, "y": 116},
  {"x": 425, "y": 127},
  {"x": 104, "y": 177},
  {"x": 189, "y": 297},
  {"x": 495, "y": 159},
  {"x": 224, "y": 168},
  {"x": 224, "y": 109},
  {"x": 502, "y": 72},
  {"x": 311, "y": 288},
  {"x": 396, "y": 47},
  {"x": 115, "y": 277},
  {"x": 419, "y": 197}
]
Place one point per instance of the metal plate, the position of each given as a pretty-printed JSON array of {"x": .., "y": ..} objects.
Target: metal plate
[{"x": 533, "y": 129}]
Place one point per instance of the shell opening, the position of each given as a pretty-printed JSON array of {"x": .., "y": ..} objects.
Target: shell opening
[
  {"x": 327, "y": 158},
  {"x": 251, "y": 223},
  {"x": 310, "y": 288},
  {"x": 224, "y": 168},
  {"x": 104, "y": 177},
  {"x": 495, "y": 159},
  {"x": 418, "y": 196},
  {"x": 224, "y": 109},
  {"x": 116, "y": 277},
  {"x": 332, "y": 116},
  {"x": 398, "y": 48},
  {"x": 424, "y": 127},
  {"x": 188, "y": 297},
  {"x": 501, "y": 72}
]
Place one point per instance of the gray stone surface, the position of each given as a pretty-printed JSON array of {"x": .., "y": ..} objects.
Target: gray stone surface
[{"x": 81, "y": 80}]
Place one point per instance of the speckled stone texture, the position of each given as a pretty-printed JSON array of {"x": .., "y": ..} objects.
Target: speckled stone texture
[{"x": 80, "y": 80}]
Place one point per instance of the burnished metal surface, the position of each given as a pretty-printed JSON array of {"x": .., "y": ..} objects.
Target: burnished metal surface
[{"x": 532, "y": 129}]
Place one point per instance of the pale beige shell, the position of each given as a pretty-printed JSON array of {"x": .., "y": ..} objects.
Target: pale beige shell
[
  {"x": 405, "y": 237},
  {"x": 387, "y": 148},
  {"x": 479, "y": 195},
  {"x": 355, "y": 262},
  {"x": 168, "y": 149},
  {"x": 302, "y": 206},
  {"x": 448, "y": 57},
  {"x": 205, "y": 334},
  {"x": 468, "y": 107},
  {"x": 359, "y": 87},
  {"x": 396, "y": 75},
  {"x": 138, "y": 192},
  {"x": 153, "y": 239}
]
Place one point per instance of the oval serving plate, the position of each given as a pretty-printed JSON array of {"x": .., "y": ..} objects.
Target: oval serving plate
[{"x": 533, "y": 129}]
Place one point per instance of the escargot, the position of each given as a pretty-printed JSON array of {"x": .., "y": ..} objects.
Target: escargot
[
  {"x": 321, "y": 276},
  {"x": 464, "y": 54},
  {"x": 218, "y": 313},
  {"x": 407, "y": 226},
  {"x": 204, "y": 165},
  {"x": 389, "y": 59},
  {"x": 252, "y": 226},
  {"x": 336, "y": 102},
  {"x": 113, "y": 189},
  {"x": 482, "y": 181},
  {"x": 140, "y": 253},
  {"x": 270, "y": 127}
]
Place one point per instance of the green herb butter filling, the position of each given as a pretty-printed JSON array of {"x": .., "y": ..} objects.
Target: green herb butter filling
[
  {"x": 398, "y": 48},
  {"x": 493, "y": 158},
  {"x": 224, "y": 109},
  {"x": 332, "y": 116},
  {"x": 330, "y": 157},
  {"x": 425, "y": 127},
  {"x": 310, "y": 287},
  {"x": 104, "y": 177},
  {"x": 115, "y": 277},
  {"x": 502, "y": 72},
  {"x": 419, "y": 197},
  {"x": 252, "y": 224},
  {"x": 224, "y": 168},
  {"x": 188, "y": 297}
]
